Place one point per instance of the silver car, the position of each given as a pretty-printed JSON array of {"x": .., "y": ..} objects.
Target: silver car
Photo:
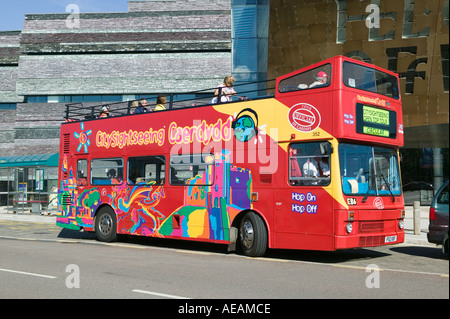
[{"x": 438, "y": 228}]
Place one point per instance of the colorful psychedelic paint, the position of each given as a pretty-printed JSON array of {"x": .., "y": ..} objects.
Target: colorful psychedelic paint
[
  {"x": 211, "y": 200},
  {"x": 208, "y": 210}
]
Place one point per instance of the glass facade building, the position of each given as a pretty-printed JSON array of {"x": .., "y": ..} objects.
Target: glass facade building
[
  {"x": 407, "y": 37},
  {"x": 250, "y": 32},
  {"x": 45, "y": 66}
]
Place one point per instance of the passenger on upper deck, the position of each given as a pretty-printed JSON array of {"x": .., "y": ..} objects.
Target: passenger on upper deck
[
  {"x": 142, "y": 108},
  {"x": 227, "y": 90},
  {"x": 321, "y": 80},
  {"x": 160, "y": 101},
  {"x": 133, "y": 105},
  {"x": 105, "y": 111}
]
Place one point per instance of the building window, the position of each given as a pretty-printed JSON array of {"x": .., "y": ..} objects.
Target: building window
[
  {"x": 77, "y": 98},
  {"x": 8, "y": 106}
]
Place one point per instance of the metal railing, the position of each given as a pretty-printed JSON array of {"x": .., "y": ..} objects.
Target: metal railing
[{"x": 82, "y": 111}]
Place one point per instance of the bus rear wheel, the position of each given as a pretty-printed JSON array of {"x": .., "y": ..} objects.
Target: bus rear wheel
[
  {"x": 253, "y": 235},
  {"x": 106, "y": 225}
]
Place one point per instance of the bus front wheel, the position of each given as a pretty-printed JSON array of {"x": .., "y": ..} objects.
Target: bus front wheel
[
  {"x": 106, "y": 225},
  {"x": 253, "y": 235}
]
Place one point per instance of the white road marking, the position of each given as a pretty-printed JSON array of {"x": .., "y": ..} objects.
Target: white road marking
[
  {"x": 158, "y": 294},
  {"x": 27, "y": 273}
]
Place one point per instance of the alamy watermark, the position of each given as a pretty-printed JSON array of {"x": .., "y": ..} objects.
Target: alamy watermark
[
  {"x": 373, "y": 19},
  {"x": 73, "y": 279},
  {"x": 373, "y": 279},
  {"x": 73, "y": 20}
]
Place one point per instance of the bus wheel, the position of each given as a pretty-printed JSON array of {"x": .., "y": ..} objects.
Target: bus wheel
[
  {"x": 106, "y": 225},
  {"x": 253, "y": 235}
]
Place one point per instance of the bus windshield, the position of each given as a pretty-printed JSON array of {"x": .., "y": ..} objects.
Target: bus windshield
[
  {"x": 368, "y": 170},
  {"x": 368, "y": 79}
]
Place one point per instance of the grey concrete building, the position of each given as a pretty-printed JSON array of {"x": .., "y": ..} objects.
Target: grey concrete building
[
  {"x": 155, "y": 47},
  {"x": 158, "y": 46}
]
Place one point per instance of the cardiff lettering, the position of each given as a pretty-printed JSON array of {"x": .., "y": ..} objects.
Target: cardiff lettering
[
  {"x": 202, "y": 133},
  {"x": 404, "y": 20}
]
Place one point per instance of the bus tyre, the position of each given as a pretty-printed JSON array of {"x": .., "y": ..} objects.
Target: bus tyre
[
  {"x": 106, "y": 225},
  {"x": 253, "y": 235}
]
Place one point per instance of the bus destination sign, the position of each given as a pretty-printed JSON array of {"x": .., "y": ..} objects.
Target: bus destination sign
[{"x": 375, "y": 121}]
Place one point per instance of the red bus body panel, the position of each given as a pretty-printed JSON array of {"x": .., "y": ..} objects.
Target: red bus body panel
[{"x": 248, "y": 175}]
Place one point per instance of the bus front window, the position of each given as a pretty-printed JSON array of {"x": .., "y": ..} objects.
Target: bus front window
[{"x": 368, "y": 170}]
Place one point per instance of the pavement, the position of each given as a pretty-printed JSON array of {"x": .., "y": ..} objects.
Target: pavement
[{"x": 410, "y": 237}]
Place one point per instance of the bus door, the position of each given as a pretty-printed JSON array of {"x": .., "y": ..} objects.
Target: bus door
[{"x": 304, "y": 205}]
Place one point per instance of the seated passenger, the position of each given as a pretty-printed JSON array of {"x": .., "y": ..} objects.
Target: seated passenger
[
  {"x": 227, "y": 90},
  {"x": 105, "y": 111},
  {"x": 160, "y": 101},
  {"x": 322, "y": 166},
  {"x": 133, "y": 105},
  {"x": 360, "y": 178},
  {"x": 310, "y": 169},
  {"x": 321, "y": 80},
  {"x": 112, "y": 175},
  {"x": 142, "y": 108}
]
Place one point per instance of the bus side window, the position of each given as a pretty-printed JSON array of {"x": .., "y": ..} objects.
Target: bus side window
[
  {"x": 315, "y": 78},
  {"x": 309, "y": 163},
  {"x": 192, "y": 168},
  {"x": 107, "y": 171},
  {"x": 82, "y": 166},
  {"x": 146, "y": 170}
]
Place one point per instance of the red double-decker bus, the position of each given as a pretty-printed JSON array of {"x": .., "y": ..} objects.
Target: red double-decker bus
[{"x": 312, "y": 165}]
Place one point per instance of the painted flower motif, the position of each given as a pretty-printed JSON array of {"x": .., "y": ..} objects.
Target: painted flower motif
[{"x": 83, "y": 138}]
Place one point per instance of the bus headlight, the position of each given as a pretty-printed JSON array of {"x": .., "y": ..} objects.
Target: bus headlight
[
  {"x": 401, "y": 224},
  {"x": 349, "y": 228}
]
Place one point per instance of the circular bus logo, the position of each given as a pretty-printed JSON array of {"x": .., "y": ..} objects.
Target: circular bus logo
[
  {"x": 304, "y": 117},
  {"x": 378, "y": 203}
]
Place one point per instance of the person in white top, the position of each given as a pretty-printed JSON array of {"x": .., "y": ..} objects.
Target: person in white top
[
  {"x": 316, "y": 168},
  {"x": 227, "y": 90},
  {"x": 310, "y": 169}
]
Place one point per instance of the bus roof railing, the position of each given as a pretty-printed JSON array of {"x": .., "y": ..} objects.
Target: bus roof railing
[{"x": 82, "y": 111}]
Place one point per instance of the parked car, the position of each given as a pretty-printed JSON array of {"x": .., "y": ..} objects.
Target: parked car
[{"x": 438, "y": 228}]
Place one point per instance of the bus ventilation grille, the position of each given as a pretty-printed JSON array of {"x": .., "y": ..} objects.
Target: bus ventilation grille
[
  {"x": 66, "y": 200},
  {"x": 367, "y": 241},
  {"x": 66, "y": 143},
  {"x": 371, "y": 227}
]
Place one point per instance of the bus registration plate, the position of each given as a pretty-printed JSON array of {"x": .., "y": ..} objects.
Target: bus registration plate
[{"x": 390, "y": 239}]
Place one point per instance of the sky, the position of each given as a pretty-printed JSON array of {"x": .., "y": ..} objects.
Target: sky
[{"x": 12, "y": 12}]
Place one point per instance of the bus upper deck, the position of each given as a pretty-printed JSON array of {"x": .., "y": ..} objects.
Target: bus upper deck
[{"x": 366, "y": 97}]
